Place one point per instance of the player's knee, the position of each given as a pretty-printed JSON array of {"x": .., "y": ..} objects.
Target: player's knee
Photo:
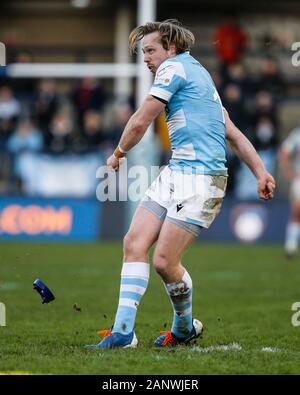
[
  {"x": 128, "y": 243},
  {"x": 161, "y": 263},
  {"x": 132, "y": 246}
]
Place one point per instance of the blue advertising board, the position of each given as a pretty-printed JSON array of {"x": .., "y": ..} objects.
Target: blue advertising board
[
  {"x": 249, "y": 222},
  {"x": 80, "y": 220},
  {"x": 49, "y": 219}
]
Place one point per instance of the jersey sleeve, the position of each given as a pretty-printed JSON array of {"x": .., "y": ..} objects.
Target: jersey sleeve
[{"x": 169, "y": 78}]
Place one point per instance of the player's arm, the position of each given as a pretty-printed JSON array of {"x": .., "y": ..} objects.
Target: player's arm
[
  {"x": 247, "y": 153},
  {"x": 135, "y": 129}
]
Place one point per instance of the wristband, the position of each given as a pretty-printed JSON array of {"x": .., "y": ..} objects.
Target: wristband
[{"x": 119, "y": 153}]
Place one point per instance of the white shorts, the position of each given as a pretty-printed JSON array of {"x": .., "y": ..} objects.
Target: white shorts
[
  {"x": 192, "y": 198},
  {"x": 295, "y": 191}
]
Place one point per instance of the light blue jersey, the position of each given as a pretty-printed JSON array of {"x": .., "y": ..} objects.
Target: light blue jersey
[{"x": 194, "y": 115}]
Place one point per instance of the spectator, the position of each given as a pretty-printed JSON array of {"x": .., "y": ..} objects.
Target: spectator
[
  {"x": 270, "y": 79},
  {"x": 25, "y": 138},
  {"x": 264, "y": 107},
  {"x": 93, "y": 136},
  {"x": 232, "y": 101},
  {"x": 235, "y": 74},
  {"x": 61, "y": 133},
  {"x": 263, "y": 134},
  {"x": 234, "y": 105},
  {"x": 230, "y": 42},
  {"x": 122, "y": 113},
  {"x": 265, "y": 127},
  {"x": 89, "y": 95},
  {"x": 9, "y": 113},
  {"x": 45, "y": 105},
  {"x": 24, "y": 87}
]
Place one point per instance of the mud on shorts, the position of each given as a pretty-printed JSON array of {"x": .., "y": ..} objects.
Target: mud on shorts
[{"x": 191, "y": 201}]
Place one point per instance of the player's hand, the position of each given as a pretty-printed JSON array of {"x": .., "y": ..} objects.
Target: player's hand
[
  {"x": 113, "y": 163},
  {"x": 266, "y": 186}
]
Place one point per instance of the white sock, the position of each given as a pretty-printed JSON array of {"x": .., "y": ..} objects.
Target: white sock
[
  {"x": 292, "y": 237},
  {"x": 134, "y": 281}
]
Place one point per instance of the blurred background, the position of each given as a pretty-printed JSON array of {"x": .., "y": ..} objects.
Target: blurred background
[{"x": 69, "y": 86}]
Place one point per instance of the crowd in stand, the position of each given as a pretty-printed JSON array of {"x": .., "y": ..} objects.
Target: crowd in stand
[
  {"x": 36, "y": 117},
  {"x": 252, "y": 101},
  {"x": 253, "y": 106},
  {"x": 43, "y": 119}
]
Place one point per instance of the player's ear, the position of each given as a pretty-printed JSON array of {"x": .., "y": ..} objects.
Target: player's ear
[{"x": 172, "y": 49}]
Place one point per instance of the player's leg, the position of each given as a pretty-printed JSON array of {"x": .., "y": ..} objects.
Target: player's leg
[
  {"x": 195, "y": 203},
  {"x": 143, "y": 232},
  {"x": 293, "y": 227},
  {"x": 293, "y": 231},
  {"x": 174, "y": 239}
]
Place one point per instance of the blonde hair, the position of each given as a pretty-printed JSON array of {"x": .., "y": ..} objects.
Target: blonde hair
[{"x": 170, "y": 32}]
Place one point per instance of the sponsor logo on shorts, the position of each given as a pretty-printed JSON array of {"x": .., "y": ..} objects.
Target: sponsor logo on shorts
[{"x": 179, "y": 207}]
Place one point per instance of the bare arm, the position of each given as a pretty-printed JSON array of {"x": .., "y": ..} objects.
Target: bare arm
[
  {"x": 247, "y": 153},
  {"x": 139, "y": 122},
  {"x": 136, "y": 127}
]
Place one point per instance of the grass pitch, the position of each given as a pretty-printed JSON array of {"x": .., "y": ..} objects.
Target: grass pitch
[{"x": 242, "y": 294}]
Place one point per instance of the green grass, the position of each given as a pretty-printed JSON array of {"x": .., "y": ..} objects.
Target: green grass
[{"x": 242, "y": 294}]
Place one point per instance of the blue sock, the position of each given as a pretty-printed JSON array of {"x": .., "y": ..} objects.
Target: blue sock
[
  {"x": 180, "y": 294},
  {"x": 134, "y": 281}
]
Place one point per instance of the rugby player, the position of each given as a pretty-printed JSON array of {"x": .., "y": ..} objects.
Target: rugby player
[
  {"x": 290, "y": 160},
  {"x": 187, "y": 195}
]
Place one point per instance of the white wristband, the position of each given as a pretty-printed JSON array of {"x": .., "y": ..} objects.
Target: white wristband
[{"x": 121, "y": 150}]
